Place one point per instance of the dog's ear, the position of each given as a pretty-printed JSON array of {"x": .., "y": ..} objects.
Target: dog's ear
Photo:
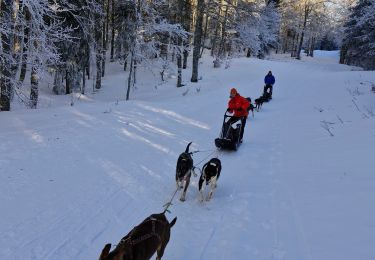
[{"x": 105, "y": 251}]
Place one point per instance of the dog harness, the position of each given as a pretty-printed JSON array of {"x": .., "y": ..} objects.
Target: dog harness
[{"x": 137, "y": 240}]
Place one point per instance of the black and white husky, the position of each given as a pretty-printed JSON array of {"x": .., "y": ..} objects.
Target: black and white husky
[
  {"x": 184, "y": 169},
  {"x": 210, "y": 174}
]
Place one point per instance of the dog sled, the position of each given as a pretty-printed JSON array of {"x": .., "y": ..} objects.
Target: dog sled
[
  {"x": 266, "y": 96},
  {"x": 267, "y": 93},
  {"x": 230, "y": 133}
]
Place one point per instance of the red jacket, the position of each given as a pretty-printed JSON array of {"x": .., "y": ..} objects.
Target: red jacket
[{"x": 239, "y": 102}]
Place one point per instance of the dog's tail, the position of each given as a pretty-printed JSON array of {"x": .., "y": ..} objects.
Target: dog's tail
[
  {"x": 173, "y": 222},
  {"x": 105, "y": 251},
  {"x": 187, "y": 147}
]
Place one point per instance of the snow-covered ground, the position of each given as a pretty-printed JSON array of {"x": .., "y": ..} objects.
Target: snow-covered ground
[{"x": 301, "y": 186}]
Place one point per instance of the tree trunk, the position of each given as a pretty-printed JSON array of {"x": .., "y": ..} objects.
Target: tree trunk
[
  {"x": 68, "y": 80},
  {"x": 34, "y": 77},
  {"x": 17, "y": 43},
  {"x": 72, "y": 76},
  {"x": 99, "y": 52},
  {"x": 83, "y": 80},
  {"x": 197, "y": 40},
  {"x": 181, "y": 20},
  {"x": 187, "y": 22},
  {"x": 34, "y": 84},
  {"x": 204, "y": 35},
  {"x": 87, "y": 65},
  {"x": 113, "y": 31},
  {"x": 213, "y": 47},
  {"x": 179, "y": 65},
  {"x": 343, "y": 52},
  {"x": 103, "y": 49},
  {"x": 14, "y": 42},
  {"x": 294, "y": 45},
  {"x": 298, "y": 54},
  {"x": 312, "y": 47},
  {"x": 81, "y": 66},
  {"x": 107, "y": 25},
  {"x": 134, "y": 71},
  {"x": 221, "y": 53},
  {"x": 130, "y": 77},
  {"x": 98, "y": 82},
  {"x": 88, "y": 70},
  {"x": 307, "y": 11},
  {"x": 5, "y": 87},
  {"x": 285, "y": 45},
  {"x": 309, "y": 46},
  {"x": 58, "y": 81},
  {"x": 5, "y": 68},
  {"x": 164, "y": 47},
  {"x": 186, "y": 55},
  {"x": 248, "y": 54},
  {"x": 24, "y": 54}
]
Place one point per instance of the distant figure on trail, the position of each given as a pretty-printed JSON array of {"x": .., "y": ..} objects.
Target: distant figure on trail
[
  {"x": 269, "y": 80},
  {"x": 238, "y": 105}
]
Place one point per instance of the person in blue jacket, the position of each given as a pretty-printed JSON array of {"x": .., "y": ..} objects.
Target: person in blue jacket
[{"x": 269, "y": 80}]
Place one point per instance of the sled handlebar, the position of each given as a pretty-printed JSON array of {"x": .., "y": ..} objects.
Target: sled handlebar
[{"x": 227, "y": 114}]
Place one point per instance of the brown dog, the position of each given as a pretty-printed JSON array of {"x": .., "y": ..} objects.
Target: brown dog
[{"x": 151, "y": 236}]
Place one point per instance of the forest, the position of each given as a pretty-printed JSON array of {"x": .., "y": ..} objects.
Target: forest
[{"x": 74, "y": 40}]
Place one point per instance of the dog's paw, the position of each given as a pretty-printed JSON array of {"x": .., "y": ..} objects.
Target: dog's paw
[{"x": 182, "y": 199}]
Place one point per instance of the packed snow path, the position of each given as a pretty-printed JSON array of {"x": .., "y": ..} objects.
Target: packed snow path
[{"x": 73, "y": 179}]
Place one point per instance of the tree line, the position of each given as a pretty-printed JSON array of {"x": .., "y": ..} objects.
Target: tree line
[
  {"x": 358, "y": 46},
  {"x": 74, "y": 40}
]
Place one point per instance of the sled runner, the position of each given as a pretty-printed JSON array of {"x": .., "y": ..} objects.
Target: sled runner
[{"x": 230, "y": 133}]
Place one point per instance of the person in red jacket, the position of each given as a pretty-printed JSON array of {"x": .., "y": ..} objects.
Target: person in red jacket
[{"x": 238, "y": 105}]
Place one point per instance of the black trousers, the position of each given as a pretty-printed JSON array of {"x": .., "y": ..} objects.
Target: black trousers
[
  {"x": 268, "y": 87},
  {"x": 235, "y": 119}
]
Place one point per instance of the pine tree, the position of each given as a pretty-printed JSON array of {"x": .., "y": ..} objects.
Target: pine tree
[
  {"x": 74, "y": 51},
  {"x": 257, "y": 28},
  {"x": 358, "y": 46},
  {"x": 269, "y": 28}
]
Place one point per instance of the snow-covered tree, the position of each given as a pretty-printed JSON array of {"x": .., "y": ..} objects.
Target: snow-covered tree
[
  {"x": 145, "y": 30},
  {"x": 358, "y": 46},
  {"x": 303, "y": 24},
  {"x": 6, "y": 57},
  {"x": 247, "y": 28},
  {"x": 30, "y": 31},
  {"x": 257, "y": 27},
  {"x": 269, "y": 27},
  {"x": 78, "y": 15}
]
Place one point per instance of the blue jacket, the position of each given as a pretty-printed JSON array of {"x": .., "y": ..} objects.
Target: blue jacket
[{"x": 269, "y": 79}]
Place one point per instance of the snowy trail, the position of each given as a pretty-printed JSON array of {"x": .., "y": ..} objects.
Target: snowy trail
[{"x": 73, "y": 179}]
